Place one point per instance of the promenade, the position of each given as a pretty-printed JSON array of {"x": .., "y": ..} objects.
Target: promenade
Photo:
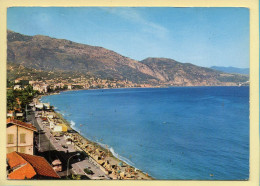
[
  {"x": 70, "y": 143},
  {"x": 50, "y": 146}
]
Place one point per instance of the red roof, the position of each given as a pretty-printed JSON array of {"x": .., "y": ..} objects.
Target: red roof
[
  {"x": 21, "y": 124},
  {"x": 27, "y": 166}
]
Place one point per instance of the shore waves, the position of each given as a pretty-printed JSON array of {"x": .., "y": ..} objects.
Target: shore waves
[{"x": 111, "y": 163}]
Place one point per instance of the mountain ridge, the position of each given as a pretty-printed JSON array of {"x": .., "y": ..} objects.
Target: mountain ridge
[
  {"x": 231, "y": 69},
  {"x": 51, "y": 54}
]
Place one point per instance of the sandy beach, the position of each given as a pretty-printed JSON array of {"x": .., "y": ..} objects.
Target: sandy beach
[{"x": 100, "y": 156}]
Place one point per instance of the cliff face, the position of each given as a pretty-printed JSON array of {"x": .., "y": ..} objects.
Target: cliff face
[
  {"x": 50, "y": 54},
  {"x": 186, "y": 74}
]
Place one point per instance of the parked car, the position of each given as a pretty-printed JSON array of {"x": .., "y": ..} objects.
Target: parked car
[{"x": 88, "y": 171}]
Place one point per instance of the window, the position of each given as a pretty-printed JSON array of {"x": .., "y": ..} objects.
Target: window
[
  {"x": 22, "y": 149},
  {"x": 10, "y": 139},
  {"x": 22, "y": 138}
]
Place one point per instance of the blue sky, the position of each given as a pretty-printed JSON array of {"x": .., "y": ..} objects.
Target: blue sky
[{"x": 202, "y": 36}]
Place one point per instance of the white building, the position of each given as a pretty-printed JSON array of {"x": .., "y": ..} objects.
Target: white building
[
  {"x": 17, "y": 87},
  {"x": 39, "y": 106}
]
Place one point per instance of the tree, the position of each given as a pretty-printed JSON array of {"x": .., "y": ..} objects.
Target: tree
[
  {"x": 25, "y": 97},
  {"x": 11, "y": 100},
  {"x": 65, "y": 87},
  {"x": 10, "y": 83},
  {"x": 74, "y": 177}
]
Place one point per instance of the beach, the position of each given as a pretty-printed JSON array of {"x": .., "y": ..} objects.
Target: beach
[{"x": 100, "y": 156}]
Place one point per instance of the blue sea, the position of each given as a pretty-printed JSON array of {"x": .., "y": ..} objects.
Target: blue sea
[{"x": 190, "y": 133}]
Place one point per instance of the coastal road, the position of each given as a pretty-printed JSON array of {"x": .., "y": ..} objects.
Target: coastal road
[
  {"x": 43, "y": 143},
  {"x": 78, "y": 166},
  {"x": 49, "y": 143}
]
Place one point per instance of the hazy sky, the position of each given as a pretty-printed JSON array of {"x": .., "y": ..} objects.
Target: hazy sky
[{"x": 202, "y": 36}]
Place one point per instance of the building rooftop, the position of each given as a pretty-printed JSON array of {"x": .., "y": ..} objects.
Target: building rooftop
[
  {"x": 27, "y": 166},
  {"x": 21, "y": 124}
]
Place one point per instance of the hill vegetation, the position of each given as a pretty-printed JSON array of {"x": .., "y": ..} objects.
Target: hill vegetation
[{"x": 44, "y": 56}]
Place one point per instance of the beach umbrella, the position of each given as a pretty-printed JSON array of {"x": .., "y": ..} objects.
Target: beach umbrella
[{"x": 120, "y": 164}]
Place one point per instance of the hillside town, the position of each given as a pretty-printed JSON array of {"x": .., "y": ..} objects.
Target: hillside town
[
  {"x": 51, "y": 82},
  {"x": 42, "y": 145}
]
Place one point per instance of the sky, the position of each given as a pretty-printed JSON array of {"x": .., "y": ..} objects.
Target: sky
[{"x": 201, "y": 36}]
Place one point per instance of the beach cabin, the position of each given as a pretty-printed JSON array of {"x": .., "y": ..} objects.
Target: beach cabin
[
  {"x": 50, "y": 121},
  {"x": 57, "y": 131},
  {"x": 50, "y": 116},
  {"x": 69, "y": 141},
  {"x": 64, "y": 127},
  {"x": 52, "y": 125},
  {"x": 57, "y": 128}
]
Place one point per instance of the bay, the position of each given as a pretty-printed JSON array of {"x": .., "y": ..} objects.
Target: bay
[{"x": 190, "y": 133}]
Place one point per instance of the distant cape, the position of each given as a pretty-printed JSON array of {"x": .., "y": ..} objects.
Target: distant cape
[{"x": 233, "y": 70}]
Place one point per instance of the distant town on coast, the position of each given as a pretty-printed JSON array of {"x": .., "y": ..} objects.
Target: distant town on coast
[{"x": 43, "y": 144}]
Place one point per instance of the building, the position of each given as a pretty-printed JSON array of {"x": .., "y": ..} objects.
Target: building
[
  {"x": 25, "y": 166},
  {"x": 19, "y": 115},
  {"x": 57, "y": 130},
  {"x": 39, "y": 106},
  {"x": 46, "y": 106},
  {"x": 10, "y": 113},
  {"x": 20, "y": 136},
  {"x": 58, "y": 86},
  {"x": 41, "y": 87},
  {"x": 17, "y": 80},
  {"x": 64, "y": 127},
  {"x": 17, "y": 87},
  {"x": 31, "y": 82}
]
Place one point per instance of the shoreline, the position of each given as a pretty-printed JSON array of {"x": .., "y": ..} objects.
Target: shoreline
[
  {"x": 56, "y": 93},
  {"x": 110, "y": 157},
  {"x": 96, "y": 144}
]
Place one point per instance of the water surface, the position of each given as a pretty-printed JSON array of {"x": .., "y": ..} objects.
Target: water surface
[{"x": 197, "y": 133}]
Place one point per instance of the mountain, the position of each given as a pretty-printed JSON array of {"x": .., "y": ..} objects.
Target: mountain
[
  {"x": 232, "y": 70},
  {"x": 175, "y": 73},
  {"x": 48, "y": 54}
]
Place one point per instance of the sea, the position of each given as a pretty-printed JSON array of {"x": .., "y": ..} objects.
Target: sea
[{"x": 175, "y": 133}]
